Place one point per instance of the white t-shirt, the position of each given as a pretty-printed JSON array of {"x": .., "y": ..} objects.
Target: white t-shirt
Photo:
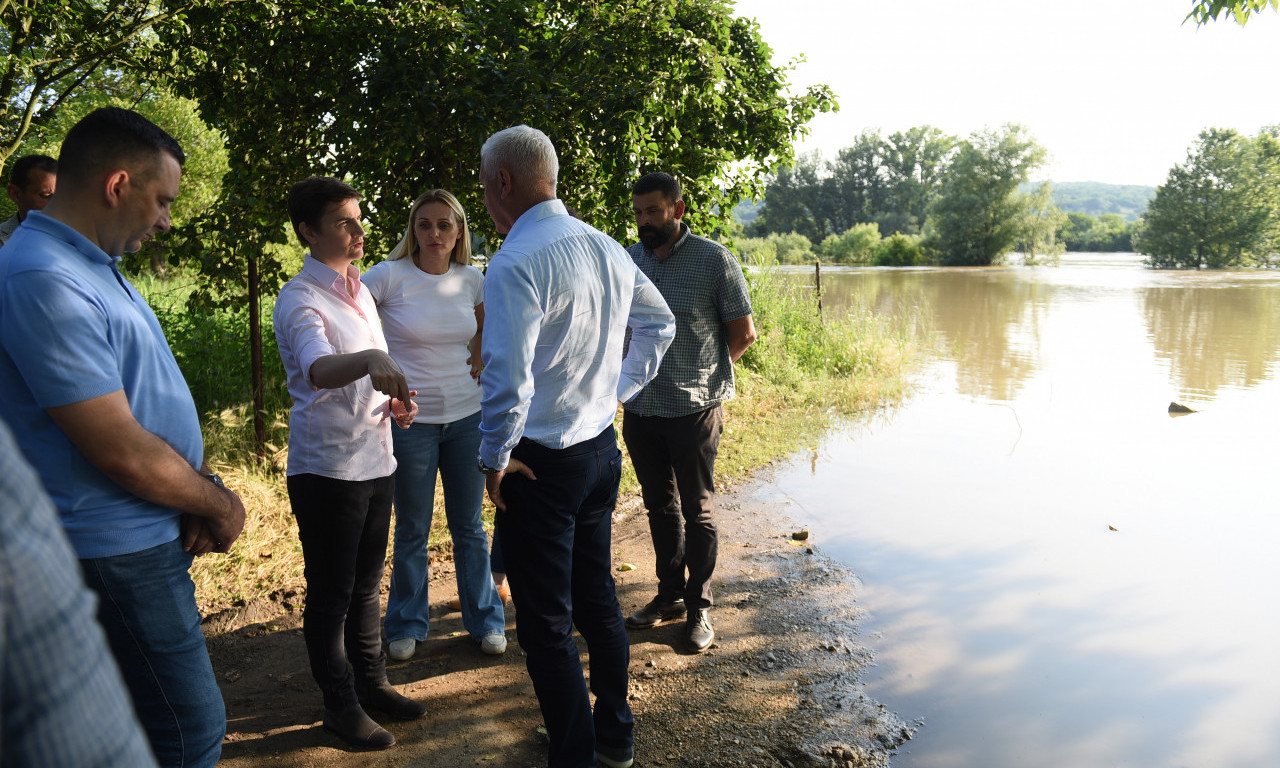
[{"x": 428, "y": 321}]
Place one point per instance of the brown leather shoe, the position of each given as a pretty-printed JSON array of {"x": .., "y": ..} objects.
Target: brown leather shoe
[{"x": 355, "y": 727}]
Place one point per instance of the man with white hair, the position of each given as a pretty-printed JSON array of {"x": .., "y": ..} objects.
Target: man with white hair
[{"x": 559, "y": 296}]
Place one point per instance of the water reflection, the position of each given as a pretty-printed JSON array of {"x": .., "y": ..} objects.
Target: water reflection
[
  {"x": 1057, "y": 573},
  {"x": 1215, "y": 335}
]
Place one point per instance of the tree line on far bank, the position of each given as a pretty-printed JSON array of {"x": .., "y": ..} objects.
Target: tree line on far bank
[{"x": 922, "y": 197}]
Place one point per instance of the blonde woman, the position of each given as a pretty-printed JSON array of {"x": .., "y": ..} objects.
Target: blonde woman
[{"x": 431, "y": 303}]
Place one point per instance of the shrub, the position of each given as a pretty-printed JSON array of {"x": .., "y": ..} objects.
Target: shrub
[
  {"x": 856, "y": 245},
  {"x": 898, "y": 250}
]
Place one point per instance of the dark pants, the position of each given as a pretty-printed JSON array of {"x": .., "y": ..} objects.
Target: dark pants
[
  {"x": 147, "y": 607},
  {"x": 556, "y": 534},
  {"x": 343, "y": 526},
  {"x": 675, "y": 461}
]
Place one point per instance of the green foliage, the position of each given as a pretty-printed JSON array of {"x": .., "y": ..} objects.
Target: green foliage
[
  {"x": 856, "y": 245},
  {"x": 791, "y": 248},
  {"x": 889, "y": 182},
  {"x": 798, "y": 344},
  {"x": 53, "y": 50},
  {"x": 1204, "y": 11},
  {"x": 899, "y": 250},
  {"x": 1096, "y": 199},
  {"x": 980, "y": 216},
  {"x": 1108, "y": 233},
  {"x": 1040, "y": 221},
  {"x": 209, "y": 346},
  {"x": 403, "y": 95},
  {"x": 1219, "y": 209}
]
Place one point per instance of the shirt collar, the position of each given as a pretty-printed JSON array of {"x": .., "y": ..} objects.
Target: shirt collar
[
  {"x": 328, "y": 276},
  {"x": 53, "y": 227},
  {"x": 544, "y": 210}
]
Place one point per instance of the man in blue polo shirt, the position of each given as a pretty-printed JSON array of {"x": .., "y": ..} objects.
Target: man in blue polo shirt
[{"x": 90, "y": 388}]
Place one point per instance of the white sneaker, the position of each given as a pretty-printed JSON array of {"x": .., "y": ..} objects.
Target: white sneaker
[
  {"x": 402, "y": 649},
  {"x": 494, "y": 645}
]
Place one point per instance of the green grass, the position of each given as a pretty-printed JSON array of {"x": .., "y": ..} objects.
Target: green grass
[{"x": 807, "y": 370}]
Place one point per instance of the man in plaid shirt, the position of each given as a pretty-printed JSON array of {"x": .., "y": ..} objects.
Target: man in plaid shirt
[{"x": 672, "y": 428}]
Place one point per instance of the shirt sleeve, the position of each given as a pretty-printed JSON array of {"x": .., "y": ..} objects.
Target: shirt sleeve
[
  {"x": 68, "y": 709},
  {"x": 66, "y": 362},
  {"x": 734, "y": 301},
  {"x": 513, "y": 316},
  {"x": 652, "y": 329},
  {"x": 302, "y": 328}
]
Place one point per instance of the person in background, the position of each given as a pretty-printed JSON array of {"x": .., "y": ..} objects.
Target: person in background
[
  {"x": 672, "y": 429},
  {"x": 431, "y": 301},
  {"x": 69, "y": 711},
  {"x": 346, "y": 391},
  {"x": 560, "y": 296},
  {"x": 98, "y": 404},
  {"x": 32, "y": 182}
]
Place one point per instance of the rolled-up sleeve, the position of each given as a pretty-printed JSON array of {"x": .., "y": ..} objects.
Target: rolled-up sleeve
[{"x": 301, "y": 330}]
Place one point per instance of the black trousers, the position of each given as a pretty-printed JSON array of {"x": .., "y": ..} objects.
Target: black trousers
[
  {"x": 343, "y": 526},
  {"x": 675, "y": 460},
  {"x": 556, "y": 538}
]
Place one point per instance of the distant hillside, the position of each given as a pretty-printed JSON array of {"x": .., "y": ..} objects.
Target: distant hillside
[
  {"x": 747, "y": 211},
  {"x": 1095, "y": 199}
]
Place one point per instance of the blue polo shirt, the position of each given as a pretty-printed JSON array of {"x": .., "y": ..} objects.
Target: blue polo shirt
[{"x": 72, "y": 329}]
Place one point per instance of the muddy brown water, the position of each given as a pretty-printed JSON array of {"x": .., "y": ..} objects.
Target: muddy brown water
[{"x": 1057, "y": 572}]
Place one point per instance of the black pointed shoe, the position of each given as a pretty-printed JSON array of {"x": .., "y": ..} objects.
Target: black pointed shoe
[
  {"x": 698, "y": 634},
  {"x": 657, "y": 610}
]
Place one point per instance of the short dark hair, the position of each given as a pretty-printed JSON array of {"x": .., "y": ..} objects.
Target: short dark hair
[
  {"x": 309, "y": 197},
  {"x": 109, "y": 138},
  {"x": 658, "y": 182},
  {"x": 20, "y": 176}
]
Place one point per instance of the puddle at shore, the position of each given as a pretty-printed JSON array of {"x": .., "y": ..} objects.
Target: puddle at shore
[{"x": 1058, "y": 573}]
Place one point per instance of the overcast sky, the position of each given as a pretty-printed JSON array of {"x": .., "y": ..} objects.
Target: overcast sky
[{"x": 1116, "y": 90}]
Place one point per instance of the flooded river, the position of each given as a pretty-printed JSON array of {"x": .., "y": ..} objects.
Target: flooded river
[{"x": 1057, "y": 572}]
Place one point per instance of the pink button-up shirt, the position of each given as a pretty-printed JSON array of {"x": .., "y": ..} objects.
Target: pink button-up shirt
[{"x": 342, "y": 433}]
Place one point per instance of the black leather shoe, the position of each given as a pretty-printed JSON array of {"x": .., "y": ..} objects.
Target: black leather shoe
[
  {"x": 388, "y": 701},
  {"x": 657, "y": 610},
  {"x": 356, "y": 728},
  {"x": 698, "y": 634}
]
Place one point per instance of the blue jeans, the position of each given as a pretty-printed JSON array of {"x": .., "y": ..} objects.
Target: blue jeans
[
  {"x": 421, "y": 450},
  {"x": 147, "y": 607},
  {"x": 556, "y": 536}
]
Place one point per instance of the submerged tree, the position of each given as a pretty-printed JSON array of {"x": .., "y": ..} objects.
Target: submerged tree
[
  {"x": 979, "y": 215},
  {"x": 1218, "y": 209}
]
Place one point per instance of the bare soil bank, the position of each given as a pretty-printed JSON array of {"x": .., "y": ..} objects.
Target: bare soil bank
[{"x": 778, "y": 688}]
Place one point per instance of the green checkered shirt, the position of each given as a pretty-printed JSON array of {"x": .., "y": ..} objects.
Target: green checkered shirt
[{"x": 703, "y": 285}]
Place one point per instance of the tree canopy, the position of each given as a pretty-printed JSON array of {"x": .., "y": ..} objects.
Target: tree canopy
[
  {"x": 52, "y": 51},
  {"x": 1204, "y": 11},
  {"x": 980, "y": 215},
  {"x": 1220, "y": 208}
]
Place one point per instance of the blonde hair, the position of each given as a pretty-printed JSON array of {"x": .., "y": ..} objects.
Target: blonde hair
[{"x": 408, "y": 245}]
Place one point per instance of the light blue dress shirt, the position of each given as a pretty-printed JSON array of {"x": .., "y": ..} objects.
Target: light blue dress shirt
[{"x": 559, "y": 296}]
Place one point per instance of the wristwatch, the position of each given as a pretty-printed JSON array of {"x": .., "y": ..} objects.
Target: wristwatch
[
  {"x": 216, "y": 480},
  {"x": 485, "y": 468}
]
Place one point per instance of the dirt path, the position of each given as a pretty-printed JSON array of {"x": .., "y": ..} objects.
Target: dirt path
[{"x": 778, "y": 688}]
